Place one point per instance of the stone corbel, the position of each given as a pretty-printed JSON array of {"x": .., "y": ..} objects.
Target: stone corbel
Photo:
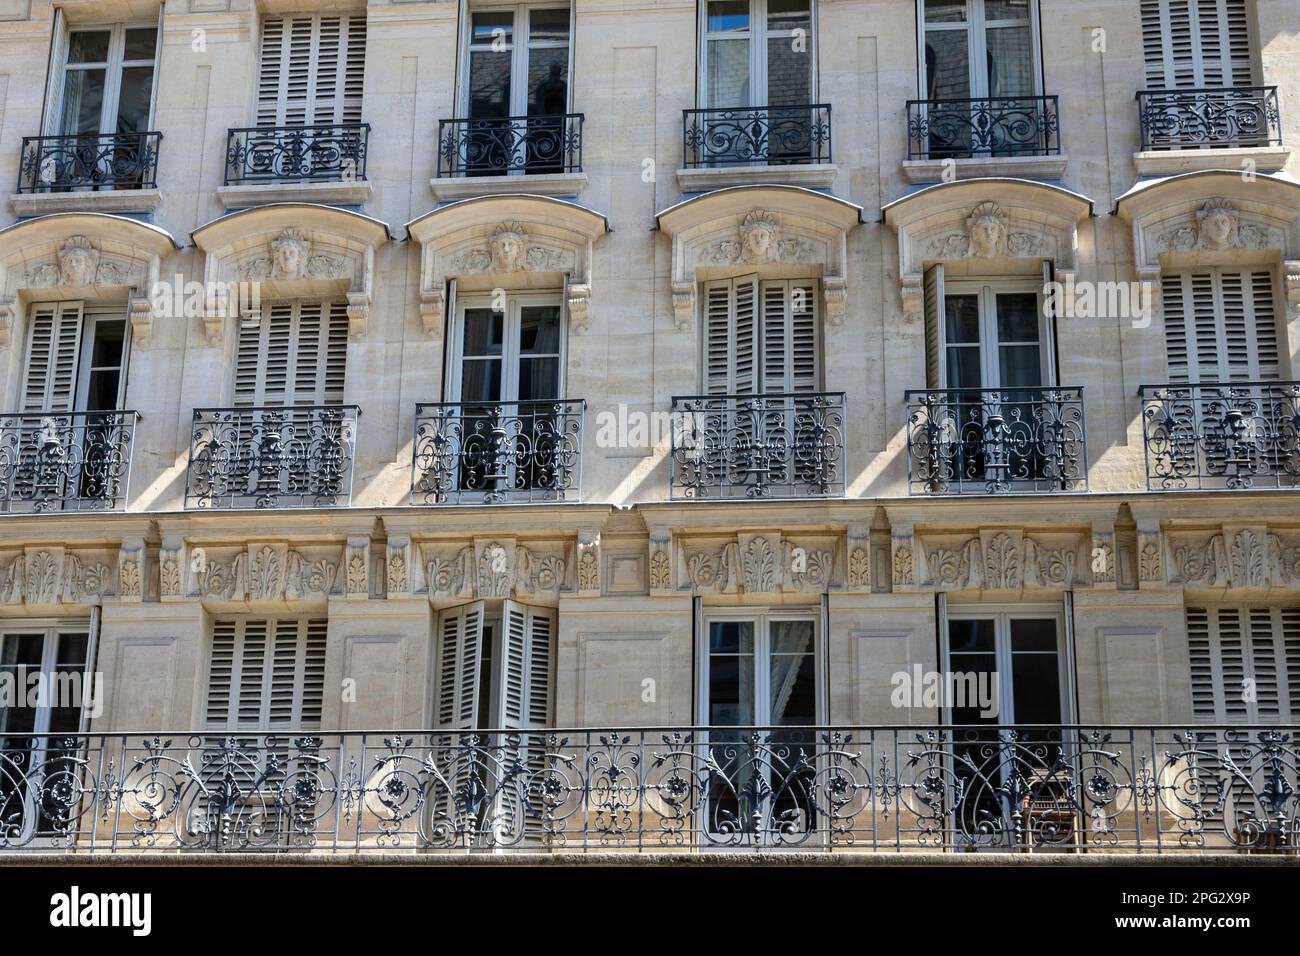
[
  {"x": 903, "y": 549},
  {"x": 579, "y": 307},
  {"x": 912, "y": 290},
  {"x": 433, "y": 309},
  {"x": 683, "y": 305},
  {"x": 8, "y": 312},
  {"x": 588, "y": 563},
  {"x": 661, "y": 561},
  {"x": 172, "y": 569},
  {"x": 359, "y": 297},
  {"x": 835, "y": 293},
  {"x": 1101, "y": 557},
  {"x": 1291, "y": 276},
  {"x": 130, "y": 570},
  {"x": 858, "y": 558},
  {"x": 399, "y": 567},
  {"x": 356, "y": 563},
  {"x": 140, "y": 305}
]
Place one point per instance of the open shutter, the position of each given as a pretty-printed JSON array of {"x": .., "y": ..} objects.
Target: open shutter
[
  {"x": 1221, "y": 325},
  {"x": 460, "y": 648},
  {"x": 789, "y": 340},
  {"x": 1245, "y": 664},
  {"x": 527, "y": 644},
  {"x": 1188, "y": 44},
  {"x": 266, "y": 674},
  {"x": 52, "y": 116},
  {"x": 311, "y": 71},
  {"x": 936, "y": 366},
  {"x": 53, "y": 344}
]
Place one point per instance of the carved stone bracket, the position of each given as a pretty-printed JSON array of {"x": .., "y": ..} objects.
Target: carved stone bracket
[
  {"x": 760, "y": 563},
  {"x": 1236, "y": 557},
  {"x": 497, "y": 567}
]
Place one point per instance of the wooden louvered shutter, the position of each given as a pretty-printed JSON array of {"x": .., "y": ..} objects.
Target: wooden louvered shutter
[
  {"x": 527, "y": 642},
  {"x": 1189, "y": 44},
  {"x": 53, "y": 346},
  {"x": 1239, "y": 649},
  {"x": 312, "y": 69},
  {"x": 52, "y": 118},
  {"x": 790, "y": 344},
  {"x": 460, "y": 650},
  {"x": 936, "y": 373},
  {"x": 1221, "y": 325},
  {"x": 731, "y": 336},
  {"x": 297, "y": 355},
  {"x": 266, "y": 674}
]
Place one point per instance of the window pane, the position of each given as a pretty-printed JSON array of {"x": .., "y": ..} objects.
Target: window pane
[
  {"x": 1033, "y": 635},
  {"x": 140, "y": 43},
  {"x": 728, "y": 15},
  {"x": 484, "y": 332},
  {"x": 83, "y": 101},
  {"x": 731, "y": 675},
  {"x": 489, "y": 84},
  {"x": 793, "y": 674},
  {"x": 1036, "y": 688},
  {"x": 492, "y": 26},
  {"x": 88, "y": 46},
  {"x": 548, "y": 81},
  {"x": 1006, "y": 9},
  {"x": 964, "y": 367},
  {"x": 731, "y": 637},
  {"x": 728, "y": 79},
  {"x": 970, "y": 636},
  {"x": 539, "y": 330},
  {"x": 133, "y": 101},
  {"x": 539, "y": 379},
  {"x": 109, "y": 338},
  {"x": 788, "y": 15},
  {"x": 789, "y": 73},
  {"x": 945, "y": 11},
  {"x": 548, "y": 24},
  {"x": 947, "y": 65},
  {"x": 480, "y": 381},
  {"x": 1010, "y": 62},
  {"x": 1018, "y": 317},
  {"x": 1021, "y": 366},
  {"x": 963, "y": 318}
]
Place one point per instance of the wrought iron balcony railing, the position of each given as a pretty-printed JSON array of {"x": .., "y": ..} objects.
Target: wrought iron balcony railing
[
  {"x": 65, "y": 461},
  {"x": 1045, "y": 789},
  {"x": 492, "y": 452},
  {"x": 758, "y": 446},
  {"x": 994, "y": 441},
  {"x": 294, "y": 154},
  {"x": 993, "y": 126},
  {"x": 757, "y": 136},
  {"x": 297, "y": 456},
  {"x": 1220, "y": 117},
  {"x": 89, "y": 161},
  {"x": 519, "y": 145},
  {"x": 1231, "y": 436}
]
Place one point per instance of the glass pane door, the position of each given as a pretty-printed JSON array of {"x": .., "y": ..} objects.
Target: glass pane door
[
  {"x": 548, "y": 90},
  {"x": 727, "y": 55},
  {"x": 490, "y": 146}
]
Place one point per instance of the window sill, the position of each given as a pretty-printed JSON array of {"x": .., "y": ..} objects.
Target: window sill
[
  {"x": 113, "y": 201},
  {"x": 328, "y": 194},
  {"x": 701, "y": 180},
  {"x": 1005, "y": 167},
  {"x": 1166, "y": 162},
  {"x": 540, "y": 184}
]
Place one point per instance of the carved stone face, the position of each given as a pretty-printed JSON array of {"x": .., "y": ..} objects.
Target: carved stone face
[
  {"x": 986, "y": 232},
  {"x": 1218, "y": 226},
  {"x": 758, "y": 239},
  {"x": 77, "y": 262},
  {"x": 507, "y": 248},
  {"x": 288, "y": 253}
]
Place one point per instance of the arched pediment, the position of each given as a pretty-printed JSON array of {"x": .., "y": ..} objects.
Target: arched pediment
[
  {"x": 1214, "y": 217},
  {"x": 511, "y": 240},
  {"x": 80, "y": 255},
  {"x": 291, "y": 249},
  {"x": 961, "y": 225},
  {"x": 759, "y": 228}
]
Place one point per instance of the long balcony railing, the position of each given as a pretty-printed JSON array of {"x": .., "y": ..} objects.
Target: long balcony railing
[
  {"x": 996, "y": 441},
  {"x": 510, "y": 145},
  {"x": 1207, "y": 118},
  {"x": 65, "y": 461},
  {"x": 757, "y": 136},
  {"x": 294, "y": 154},
  {"x": 1052, "y": 790},
  {"x": 995, "y": 126},
  {"x": 1231, "y": 436},
  {"x": 493, "y": 452},
  {"x": 758, "y": 446},
  {"x": 271, "y": 457},
  {"x": 89, "y": 161}
]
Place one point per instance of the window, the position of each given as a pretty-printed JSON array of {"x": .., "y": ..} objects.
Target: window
[
  {"x": 61, "y": 656},
  {"x": 1245, "y": 664},
  {"x": 108, "y": 81},
  {"x": 266, "y": 674},
  {"x": 312, "y": 70},
  {"x": 1221, "y": 325},
  {"x": 1193, "y": 44},
  {"x": 761, "y": 670},
  {"x": 296, "y": 355},
  {"x": 1018, "y": 656},
  {"x": 518, "y": 66},
  {"x": 992, "y": 335},
  {"x": 76, "y": 358},
  {"x": 757, "y": 53},
  {"x": 974, "y": 49},
  {"x": 761, "y": 337}
]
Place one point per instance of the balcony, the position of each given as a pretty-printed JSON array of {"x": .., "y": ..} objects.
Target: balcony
[
  {"x": 488, "y": 154},
  {"x": 787, "y": 145},
  {"x": 1234, "y": 437},
  {"x": 758, "y": 446},
  {"x": 104, "y": 171},
  {"x": 492, "y": 453},
  {"x": 272, "y": 457},
  {"x": 1218, "y": 128},
  {"x": 970, "y": 441},
  {"x": 993, "y": 136},
  {"x": 65, "y": 461},
  {"x": 830, "y": 790}
]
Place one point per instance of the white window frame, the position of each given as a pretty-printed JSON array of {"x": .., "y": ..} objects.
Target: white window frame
[
  {"x": 1002, "y": 615},
  {"x": 515, "y": 303},
  {"x": 757, "y": 36},
  {"x": 988, "y": 289},
  {"x": 518, "y": 50},
  {"x": 90, "y": 322},
  {"x": 977, "y": 53},
  {"x": 49, "y": 659},
  {"x": 112, "y": 68}
]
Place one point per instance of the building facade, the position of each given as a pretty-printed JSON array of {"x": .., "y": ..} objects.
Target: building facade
[{"x": 392, "y": 384}]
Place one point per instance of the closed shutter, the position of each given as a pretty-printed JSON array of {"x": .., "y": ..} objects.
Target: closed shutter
[
  {"x": 1221, "y": 325},
  {"x": 266, "y": 674},
  {"x": 731, "y": 336},
  {"x": 53, "y": 344},
  {"x": 297, "y": 355},
  {"x": 936, "y": 373},
  {"x": 790, "y": 346},
  {"x": 312, "y": 69},
  {"x": 1245, "y": 664},
  {"x": 1189, "y": 44},
  {"x": 460, "y": 646},
  {"x": 761, "y": 337}
]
